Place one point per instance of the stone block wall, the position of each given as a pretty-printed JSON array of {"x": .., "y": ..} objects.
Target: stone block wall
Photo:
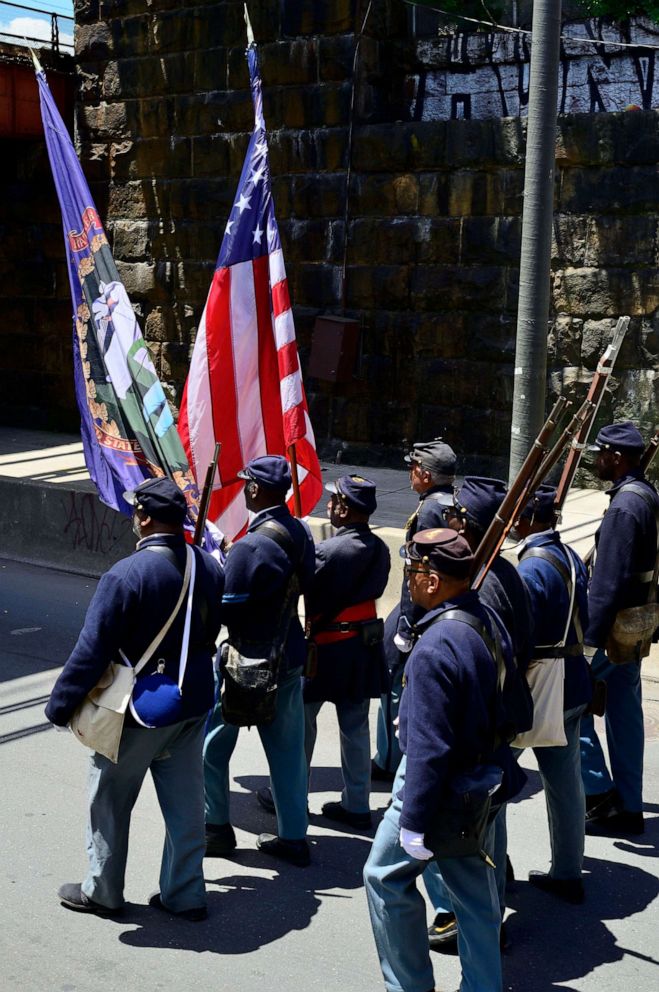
[{"x": 434, "y": 213}]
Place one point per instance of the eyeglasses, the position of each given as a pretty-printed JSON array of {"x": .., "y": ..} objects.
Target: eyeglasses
[{"x": 411, "y": 570}]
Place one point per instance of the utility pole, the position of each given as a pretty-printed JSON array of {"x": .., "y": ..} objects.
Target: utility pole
[{"x": 530, "y": 380}]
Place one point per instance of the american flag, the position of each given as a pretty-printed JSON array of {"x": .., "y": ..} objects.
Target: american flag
[{"x": 244, "y": 387}]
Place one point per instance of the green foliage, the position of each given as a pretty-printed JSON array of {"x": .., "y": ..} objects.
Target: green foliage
[
  {"x": 499, "y": 10},
  {"x": 620, "y": 10}
]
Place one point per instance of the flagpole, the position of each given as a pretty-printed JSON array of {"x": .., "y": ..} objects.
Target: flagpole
[{"x": 297, "y": 501}]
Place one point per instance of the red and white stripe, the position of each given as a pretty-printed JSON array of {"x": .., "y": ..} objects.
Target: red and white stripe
[{"x": 244, "y": 388}]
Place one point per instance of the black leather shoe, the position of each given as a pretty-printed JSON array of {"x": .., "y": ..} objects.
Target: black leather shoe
[
  {"x": 296, "y": 852},
  {"x": 264, "y": 799},
  {"x": 220, "y": 840},
  {"x": 601, "y": 805},
  {"x": 194, "y": 915},
  {"x": 443, "y": 934},
  {"x": 618, "y": 824},
  {"x": 71, "y": 895},
  {"x": 444, "y": 930},
  {"x": 379, "y": 774},
  {"x": 338, "y": 812},
  {"x": 568, "y": 889}
]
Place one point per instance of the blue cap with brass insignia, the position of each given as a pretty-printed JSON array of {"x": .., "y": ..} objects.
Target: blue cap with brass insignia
[
  {"x": 357, "y": 492},
  {"x": 624, "y": 436},
  {"x": 478, "y": 499},
  {"x": 442, "y": 550}
]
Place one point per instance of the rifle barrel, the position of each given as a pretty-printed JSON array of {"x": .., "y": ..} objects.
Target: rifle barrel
[
  {"x": 595, "y": 394},
  {"x": 204, "y": 502},
  {"x": 503, "y": 520},
  {"x": 648, "y": 455}
]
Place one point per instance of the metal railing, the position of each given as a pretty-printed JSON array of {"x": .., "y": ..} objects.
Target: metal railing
[{"x": 56, "y": 44}]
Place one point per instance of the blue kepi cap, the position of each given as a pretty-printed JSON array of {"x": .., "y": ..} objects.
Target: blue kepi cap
[
  {"x": 159, "y": 498},
  {"x": 478, "y": 499},
  {"x": 357, "y": 492},
  {"x": 624, "y": 436},
  {"x": 271, "y": 471}
]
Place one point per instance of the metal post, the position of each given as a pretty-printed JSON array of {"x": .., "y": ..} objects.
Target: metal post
[{"x": 530, "y": 384}]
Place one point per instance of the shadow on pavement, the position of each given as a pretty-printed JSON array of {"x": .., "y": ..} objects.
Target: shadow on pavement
[
  {"x": 251, "y": 910},
  {"x": 555, "y": 943}
]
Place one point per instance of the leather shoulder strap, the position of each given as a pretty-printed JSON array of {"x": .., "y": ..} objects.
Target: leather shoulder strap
[
  {"x": 280, "y": 535},
  {"x": 546, "y": 555}
]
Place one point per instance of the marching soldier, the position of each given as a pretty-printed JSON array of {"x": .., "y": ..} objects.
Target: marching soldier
[
  {"x": 446, "y": 725},
  {"x": 128, "y": 614},
  {"x": 622, "y": 576},
  {"x": 432, "y": 473},
  {"x": 257, "y": 608},
  {"x": 472, "y": 512},
  {"x": 557, "y": 583},
  {"x": 352, "y": 569}
]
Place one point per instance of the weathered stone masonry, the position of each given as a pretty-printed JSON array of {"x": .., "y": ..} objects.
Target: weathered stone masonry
[{"x": 434, "y": 211}]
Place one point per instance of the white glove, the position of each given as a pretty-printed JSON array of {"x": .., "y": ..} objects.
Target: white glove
[
  {"x": 404, "y": 644},
  {"x": 412, "y": 844}
]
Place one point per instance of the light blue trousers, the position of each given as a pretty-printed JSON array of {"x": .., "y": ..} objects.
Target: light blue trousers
[
  {"x": 173, "y": 756},
  {"x": 355, "y": 750},
  {"x": 388, "y": 752},
  {"x": 398, "y": 912},
  {"x": 283, "y": 743},
  {"x": 625, "y": 735},
  {"x": 560, "y": 772}
]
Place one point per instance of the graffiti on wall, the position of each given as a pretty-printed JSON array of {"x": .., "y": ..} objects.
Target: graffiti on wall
[
  {"x": 486, "y": 75},
  {"x": 92, "y": 526}
]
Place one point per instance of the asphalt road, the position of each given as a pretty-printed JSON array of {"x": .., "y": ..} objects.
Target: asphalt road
[{"x": 272, "y": 928}]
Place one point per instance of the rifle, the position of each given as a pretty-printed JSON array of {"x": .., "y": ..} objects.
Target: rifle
[
  {"x": 204, "y": 502},
  {"x": 516, "y": 497},
  {"x": 552, "y": 456},
  {"x": 648, "y": 455},
  {"x": 595, "y": 394}
]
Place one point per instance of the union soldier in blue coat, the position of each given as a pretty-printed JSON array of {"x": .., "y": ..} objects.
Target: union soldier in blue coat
[
  {"x": 626, "y": 549},
  {"x": 128, "y": 610},
  {"x": 446, "y": 726},
  {"x": 473, "y": 509},
  {"x": 352, "y": 569},
  {"x": 258, "y": 572},
  {"x": 432, "y": 473},
  {"x": 557, "y": 584}
]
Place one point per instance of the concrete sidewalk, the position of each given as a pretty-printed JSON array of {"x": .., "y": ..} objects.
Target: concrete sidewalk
[{"x": 69, "y": 523}]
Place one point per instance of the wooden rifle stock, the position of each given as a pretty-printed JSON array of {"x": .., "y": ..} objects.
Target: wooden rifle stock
[
  {"x": 554, "y": 454},
  {"x": 516, "y": 496},
  {"x": 595, "y": 394},
  {"x": 648, "y": 455},
  {"x": 204, "y": 502}
]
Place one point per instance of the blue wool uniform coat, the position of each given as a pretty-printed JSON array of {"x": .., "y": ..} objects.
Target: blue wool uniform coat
[
  {"x": 257, "y": 572},
  {"x": 626, "y": 545},
  {"x": 505, "y": 593},
  {"x": 429, "y": 513},
  {"x": 549, "y": 608},
  {"x": 351, "y": 567},
  {"x": 447, "y": 711},
  {"x": 131, "y": 604}
]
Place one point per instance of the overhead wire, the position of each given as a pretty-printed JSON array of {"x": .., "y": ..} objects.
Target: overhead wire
[{"x": 507, "y": 29}]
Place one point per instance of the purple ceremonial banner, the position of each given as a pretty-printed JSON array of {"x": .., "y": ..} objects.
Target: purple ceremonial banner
[{"x": 128, "y": 431}]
